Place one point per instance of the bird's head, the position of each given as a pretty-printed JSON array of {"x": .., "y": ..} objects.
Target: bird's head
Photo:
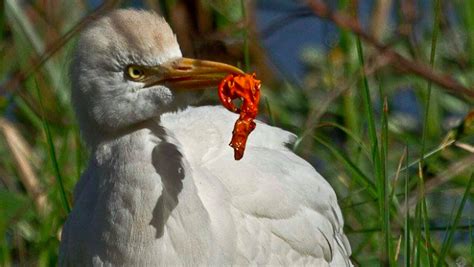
[{"x": 128, "y": 68}]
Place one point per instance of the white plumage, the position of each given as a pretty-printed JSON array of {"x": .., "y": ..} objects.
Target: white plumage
[{"x": 162, "y": 187}]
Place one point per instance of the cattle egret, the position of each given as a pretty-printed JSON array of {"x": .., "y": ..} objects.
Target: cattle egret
[{"x": 162, "y": 186}]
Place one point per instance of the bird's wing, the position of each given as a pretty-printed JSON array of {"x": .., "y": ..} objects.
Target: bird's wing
[
  {"x": 287, "y": 194},
  {"x": 270, "y": 184}
]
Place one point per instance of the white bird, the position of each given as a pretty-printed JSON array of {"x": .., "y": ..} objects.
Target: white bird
[{"x": 162, "y": 187}]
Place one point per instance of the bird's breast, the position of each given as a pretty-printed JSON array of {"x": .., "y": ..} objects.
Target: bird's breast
[{"x": 140, "y": 206}]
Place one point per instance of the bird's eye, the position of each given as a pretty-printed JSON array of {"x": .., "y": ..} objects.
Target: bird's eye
[{"x": 135, "y": 73}]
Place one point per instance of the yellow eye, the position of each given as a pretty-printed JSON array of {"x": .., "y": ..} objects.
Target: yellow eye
[{"x": 135, "y": 73}]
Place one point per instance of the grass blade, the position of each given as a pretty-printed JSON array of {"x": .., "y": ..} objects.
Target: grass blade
[
  {"x": 52, "y": 153},
  {"x": 385, "y": 187},
  {"x": 424, "y": 214},
  {"x": 269, "y": 111},
  {"x": 368, "y": 109},
  {"x": 379, "y": 177},
  {"x": 19, "y": 17},
  {"x": 430, "y": 154},
  {"x": 407, "y": 216},
  {"x": 246, "y": 35},
  {"x": 449, "y": 237},
  {"x": 437, "y": 10},
  {"x": 358, "y": 141},
  {"x": 417, "y": 237},
  {"x": 358, "y": 175}
]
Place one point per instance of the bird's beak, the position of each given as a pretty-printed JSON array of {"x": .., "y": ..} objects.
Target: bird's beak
[{"x": 188, "y": 73}]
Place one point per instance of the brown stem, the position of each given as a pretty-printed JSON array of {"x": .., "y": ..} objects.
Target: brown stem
[{"x": 347, "y": 22}]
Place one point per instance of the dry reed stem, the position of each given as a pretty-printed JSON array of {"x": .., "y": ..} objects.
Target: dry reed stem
[
  {"x": 380, "y": 17},
  {"x": 21, "y": 154}
]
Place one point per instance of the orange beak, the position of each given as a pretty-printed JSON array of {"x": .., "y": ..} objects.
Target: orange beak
[{"x": 188, "y": 73}]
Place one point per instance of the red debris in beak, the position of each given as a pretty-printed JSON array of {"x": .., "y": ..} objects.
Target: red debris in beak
[{"x": 247, "y": 88}]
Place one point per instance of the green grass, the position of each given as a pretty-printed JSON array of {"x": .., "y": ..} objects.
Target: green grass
[
  {"x": 426, "y": 126},
  {"x": 447, "y": 242},
  {"x": 52, "y": 154},
  {"x": 405, "y": 188}
]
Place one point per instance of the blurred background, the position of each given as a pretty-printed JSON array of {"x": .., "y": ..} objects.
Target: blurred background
[{"x": 380, "y": 94}]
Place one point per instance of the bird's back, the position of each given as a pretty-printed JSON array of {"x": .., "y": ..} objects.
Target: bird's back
[{"x": 279, "y": 210}]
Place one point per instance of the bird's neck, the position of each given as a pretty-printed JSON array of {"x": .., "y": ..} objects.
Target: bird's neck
[{"x": 97, "y": 137}]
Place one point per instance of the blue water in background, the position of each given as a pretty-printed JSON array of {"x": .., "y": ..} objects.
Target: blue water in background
[{"x": 286, "y": 44}]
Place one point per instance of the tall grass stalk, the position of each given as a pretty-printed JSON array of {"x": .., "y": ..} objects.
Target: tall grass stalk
[
  {"x": 425, "y": 216},
  {"x": 351, "y": 119},
  {"x": 52, "y": 152},
  {"x": 385, "y": 187},
  {"x": 376, "y": 159},
  {"x": 468, "y": 9}
]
